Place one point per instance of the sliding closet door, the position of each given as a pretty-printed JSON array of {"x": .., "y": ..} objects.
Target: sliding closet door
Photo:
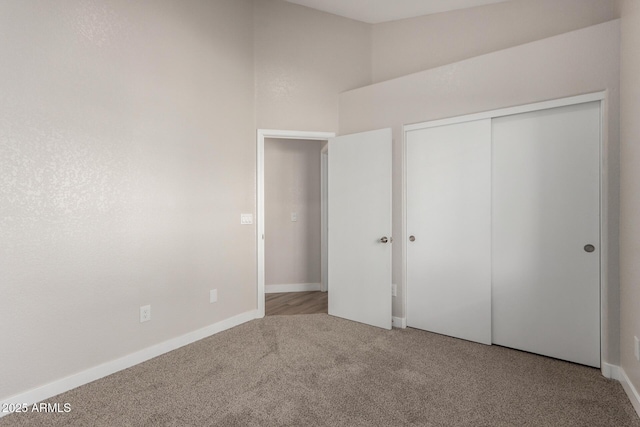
[
  {"x": 546, "y": 239},
  {"x": 448, "y": 221}
]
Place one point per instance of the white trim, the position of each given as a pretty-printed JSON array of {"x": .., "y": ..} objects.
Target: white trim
[
  {"x": 631, "y": 391},
  {"x": 324, "y": 218},
  {"x": 92, "y": 374},
  {"x": 604, "y": 227},
  {"x": 405, "y": 246},
  {"x": 295, "y": 134},
  {"x": 610, "y": 371},
  {"x": 399, "y": 322},
  {"x": 292, "y": 287},
  {"x": 555, "y": 103},
  {"x": 261, "y": 134}
]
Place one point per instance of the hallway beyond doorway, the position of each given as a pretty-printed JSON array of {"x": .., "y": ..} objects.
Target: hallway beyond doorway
[{"x": 313, "y": 302}]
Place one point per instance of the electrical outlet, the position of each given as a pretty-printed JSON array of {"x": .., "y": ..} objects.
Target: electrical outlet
[
  {"x": 394, "y": 290},
  {"x": 636, "y": 348},
  {"x": 145, "y": 313},
  {"x": 246, "y": 219},
  {"x": 213, "y": 295}
]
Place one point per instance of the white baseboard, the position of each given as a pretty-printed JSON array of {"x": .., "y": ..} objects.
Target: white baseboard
[
  {"x": 294, "y": 287},
  {"x": 65, "y": 384},
  {"x": 610, "y": 371},
  {"x": 631, "y": 391},
  {"x": 399, "y": 322}
]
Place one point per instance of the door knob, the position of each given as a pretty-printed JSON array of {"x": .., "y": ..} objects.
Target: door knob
[
  {"x": 589, "y": 248},
  {"x": 384, "y": 240},
  {"x": 412, "y": 238}
]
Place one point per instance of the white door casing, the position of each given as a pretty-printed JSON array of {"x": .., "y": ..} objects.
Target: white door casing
[
  {"x": 448, "y": 193},
  {"x": 359, "y": 193},
  {"x": 261, "y": 135},
  {"x": 324, "y": 205}
]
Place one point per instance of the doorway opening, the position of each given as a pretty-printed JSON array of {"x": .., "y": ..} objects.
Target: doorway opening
[{"x": 291, "y": 222}]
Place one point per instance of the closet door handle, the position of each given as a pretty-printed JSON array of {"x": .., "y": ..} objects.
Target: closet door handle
[
  {"x": 589, "y": 248},
  {"x": 384, "y": 240},
  {"x": 412, "y": 238}
]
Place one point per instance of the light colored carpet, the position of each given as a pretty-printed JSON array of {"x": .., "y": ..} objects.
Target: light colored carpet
[{"x": 317, "y": 370}]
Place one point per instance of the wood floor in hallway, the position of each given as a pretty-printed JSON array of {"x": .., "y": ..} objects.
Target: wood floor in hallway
[{"x": 313, "y": 302}]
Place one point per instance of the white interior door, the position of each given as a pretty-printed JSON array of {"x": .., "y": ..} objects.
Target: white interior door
[
  {"x": 359, "y": 222},
  {"x": 546, "y": 203},
  {"x": 448, "y": 224}
]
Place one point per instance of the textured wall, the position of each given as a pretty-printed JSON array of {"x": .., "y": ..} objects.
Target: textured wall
[
  {"x": 304, "y": 59},
  {"x": 630, "y": 188},
  {"x": 578, "y": 62},
  {"x": 127, "y": 153},
  {"x": 412, "y": 45},
  {"x": 292, "y": 184}
]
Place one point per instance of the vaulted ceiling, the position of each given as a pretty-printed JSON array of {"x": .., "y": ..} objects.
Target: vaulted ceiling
[{"x": 376, "y": 11}]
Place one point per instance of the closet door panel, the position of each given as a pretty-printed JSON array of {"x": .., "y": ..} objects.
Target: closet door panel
[
  {"x": 546, "y": 203},
  {"x": 448, "y": 215}
]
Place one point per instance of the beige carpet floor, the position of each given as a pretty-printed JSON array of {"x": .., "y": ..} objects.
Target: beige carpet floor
[{"x": 317, "y": 370}]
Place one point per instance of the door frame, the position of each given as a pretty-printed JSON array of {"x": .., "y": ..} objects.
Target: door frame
[
  {"x": 261, "y": 134},
  {"x": 601, "y": 96},
  {"x": 324, "y": 218}
]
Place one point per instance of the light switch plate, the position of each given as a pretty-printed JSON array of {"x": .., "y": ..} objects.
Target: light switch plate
[
  {"x": 246, "y": 219},
  {"x": 294, "y": 216},
  {"x": 213, "y": 295}
]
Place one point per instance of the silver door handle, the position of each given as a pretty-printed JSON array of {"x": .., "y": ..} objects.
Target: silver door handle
[
  {"x": 589, "y": 248},
  {"x": 412, "y": 238},
  {"x": 384, "y": 240}
]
